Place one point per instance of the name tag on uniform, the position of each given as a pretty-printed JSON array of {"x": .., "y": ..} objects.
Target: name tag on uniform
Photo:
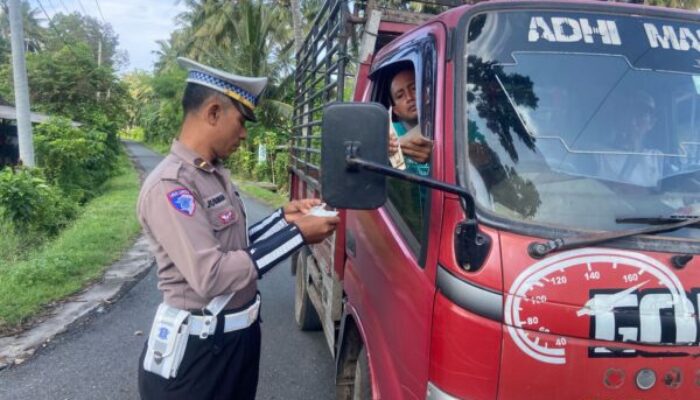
[{"x": 214, "y": 200}]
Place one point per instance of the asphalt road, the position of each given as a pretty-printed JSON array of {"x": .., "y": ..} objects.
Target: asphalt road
[{"x": 97, "y": 358}]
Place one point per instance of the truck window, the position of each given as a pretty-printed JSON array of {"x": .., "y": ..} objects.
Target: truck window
[{"x": 407, "y": 89}]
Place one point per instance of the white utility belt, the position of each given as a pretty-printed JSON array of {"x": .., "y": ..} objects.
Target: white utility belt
[{"x": 205, "y": 326}]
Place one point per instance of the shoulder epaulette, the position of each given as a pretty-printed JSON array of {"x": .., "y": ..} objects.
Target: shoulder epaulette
[{"x": 172, "y": 171}]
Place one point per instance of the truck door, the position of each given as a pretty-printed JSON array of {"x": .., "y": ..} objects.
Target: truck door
[{"x": 388, "y": 249}]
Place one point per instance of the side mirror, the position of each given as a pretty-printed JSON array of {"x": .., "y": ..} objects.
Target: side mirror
[{"x": 357, "y": 130}]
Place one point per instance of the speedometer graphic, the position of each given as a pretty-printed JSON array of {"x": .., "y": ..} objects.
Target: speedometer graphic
[{"x": 580, "y": 293}]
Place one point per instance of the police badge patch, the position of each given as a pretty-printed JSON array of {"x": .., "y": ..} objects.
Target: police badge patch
[{"x": 183, "y": 201}]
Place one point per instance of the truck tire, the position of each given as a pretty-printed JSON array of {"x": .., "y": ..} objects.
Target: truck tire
[
  {"x": 304, "y": 312},
  {"x": 362, "y": 387}
]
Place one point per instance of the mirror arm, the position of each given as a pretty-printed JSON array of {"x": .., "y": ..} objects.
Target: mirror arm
[
  {"x": 471, "y": 245},
  {"x": 353, "y": 163}
]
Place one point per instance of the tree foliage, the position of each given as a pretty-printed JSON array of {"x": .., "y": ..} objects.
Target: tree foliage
[
  {"x": 72, "y": 70},
  {"x": 99, "y": 37},
  {"x": 247, "y": 37},
  {"x": 68, "y": 82},
  {"x": 72, "y": 63},
  {"x": 34, "y": 33}
]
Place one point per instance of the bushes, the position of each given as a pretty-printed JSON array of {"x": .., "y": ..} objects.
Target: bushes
[
  {"x": 245, "y": 161},
  {"x": 78, "y": 255},
  {"x": 74, "y": 164},
  {"x": 31, "y": 205},
  {"x": 75, "y": 160}
]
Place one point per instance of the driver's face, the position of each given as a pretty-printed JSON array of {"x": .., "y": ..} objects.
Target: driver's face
[
  {"x": 403, "y": 96},
  {"x": 645, "y": 117}
]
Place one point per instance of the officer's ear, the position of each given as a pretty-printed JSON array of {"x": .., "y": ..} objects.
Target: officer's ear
[{"x": 212, "y": 110}]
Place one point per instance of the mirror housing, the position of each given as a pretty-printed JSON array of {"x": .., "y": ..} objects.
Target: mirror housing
[{"x": 354, "y": 129}]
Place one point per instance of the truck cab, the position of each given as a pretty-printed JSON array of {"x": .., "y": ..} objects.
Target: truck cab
[{"x": 551, "y": 250}]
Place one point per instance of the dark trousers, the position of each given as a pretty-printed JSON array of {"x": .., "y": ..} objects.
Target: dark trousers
[{"x": 223, "y": 366}]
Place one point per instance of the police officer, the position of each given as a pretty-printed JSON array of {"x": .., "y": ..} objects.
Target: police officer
[{"x": 205, "y": 338}]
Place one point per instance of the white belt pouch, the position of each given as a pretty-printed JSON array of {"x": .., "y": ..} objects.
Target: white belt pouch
[{"x": 167, "y": 341}]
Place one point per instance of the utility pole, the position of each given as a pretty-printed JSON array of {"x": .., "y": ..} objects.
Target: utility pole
[
  {"x": 99, "y": 52},
  {"x": 99, "y": 58},
  {"x": 24, "y": 124}
]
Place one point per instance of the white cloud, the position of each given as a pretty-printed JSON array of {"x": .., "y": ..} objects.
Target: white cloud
[{"x": 139, "y": 23}]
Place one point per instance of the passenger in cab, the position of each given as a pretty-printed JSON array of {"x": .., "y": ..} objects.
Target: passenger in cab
[{"x": 406, "y": 136}]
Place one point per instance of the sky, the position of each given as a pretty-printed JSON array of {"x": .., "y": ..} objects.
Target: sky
[{"x": 139, "y": 23}]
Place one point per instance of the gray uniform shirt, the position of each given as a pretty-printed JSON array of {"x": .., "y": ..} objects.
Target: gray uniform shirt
[{"x": 196, "y": 224}]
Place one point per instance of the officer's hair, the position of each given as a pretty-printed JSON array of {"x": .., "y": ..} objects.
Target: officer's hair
[{"x": 196, "y": 95}]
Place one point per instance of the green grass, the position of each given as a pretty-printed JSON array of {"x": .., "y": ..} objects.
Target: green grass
[
  {"x": 106, "y": 227},
  {"x": 11, "y": 245},
  {"x": 275, "y": 200}
]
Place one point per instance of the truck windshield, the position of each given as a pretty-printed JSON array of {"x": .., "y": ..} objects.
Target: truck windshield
[{"x": 576, "y": 120}]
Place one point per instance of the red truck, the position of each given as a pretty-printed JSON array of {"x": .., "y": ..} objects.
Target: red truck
[{"x": 550, "y": 252}]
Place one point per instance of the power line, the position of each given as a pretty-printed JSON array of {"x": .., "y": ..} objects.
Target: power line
[
  {"x": 99, "y": 9},
  {"x": 58, "y": 34},
  {"x": 80, "y": 3},
  {"x": 45, "y": 13}
]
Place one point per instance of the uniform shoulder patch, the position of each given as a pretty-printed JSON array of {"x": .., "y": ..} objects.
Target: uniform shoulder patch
[{"x": 182, "y": 200}]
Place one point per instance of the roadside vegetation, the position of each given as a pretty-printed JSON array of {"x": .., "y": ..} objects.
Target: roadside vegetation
[
  {"x": 63, "y": 221},
  {"x": 105, "y": 226}
]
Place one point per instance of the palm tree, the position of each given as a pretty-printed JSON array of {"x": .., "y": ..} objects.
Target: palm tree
[
  {"x": 34, "y": 33},
  {"x": 297, "y": 24},
  {"x": 208, "y": 25},
  {"x": 260, "y": 46},
  {"x": 253, "y": 40},
  {"x": 169, "y": 50}
]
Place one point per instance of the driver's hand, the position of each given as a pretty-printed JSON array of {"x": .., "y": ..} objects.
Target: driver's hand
[
  {"x": 393, "y": 144},
  {"x": 418, "y": 147}
]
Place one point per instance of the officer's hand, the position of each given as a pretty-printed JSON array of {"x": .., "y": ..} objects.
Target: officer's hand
[
  {"x": 298, "y": 208},
  {"x": 417, "y": 147},
  {"x": 315, "y": 229}
]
